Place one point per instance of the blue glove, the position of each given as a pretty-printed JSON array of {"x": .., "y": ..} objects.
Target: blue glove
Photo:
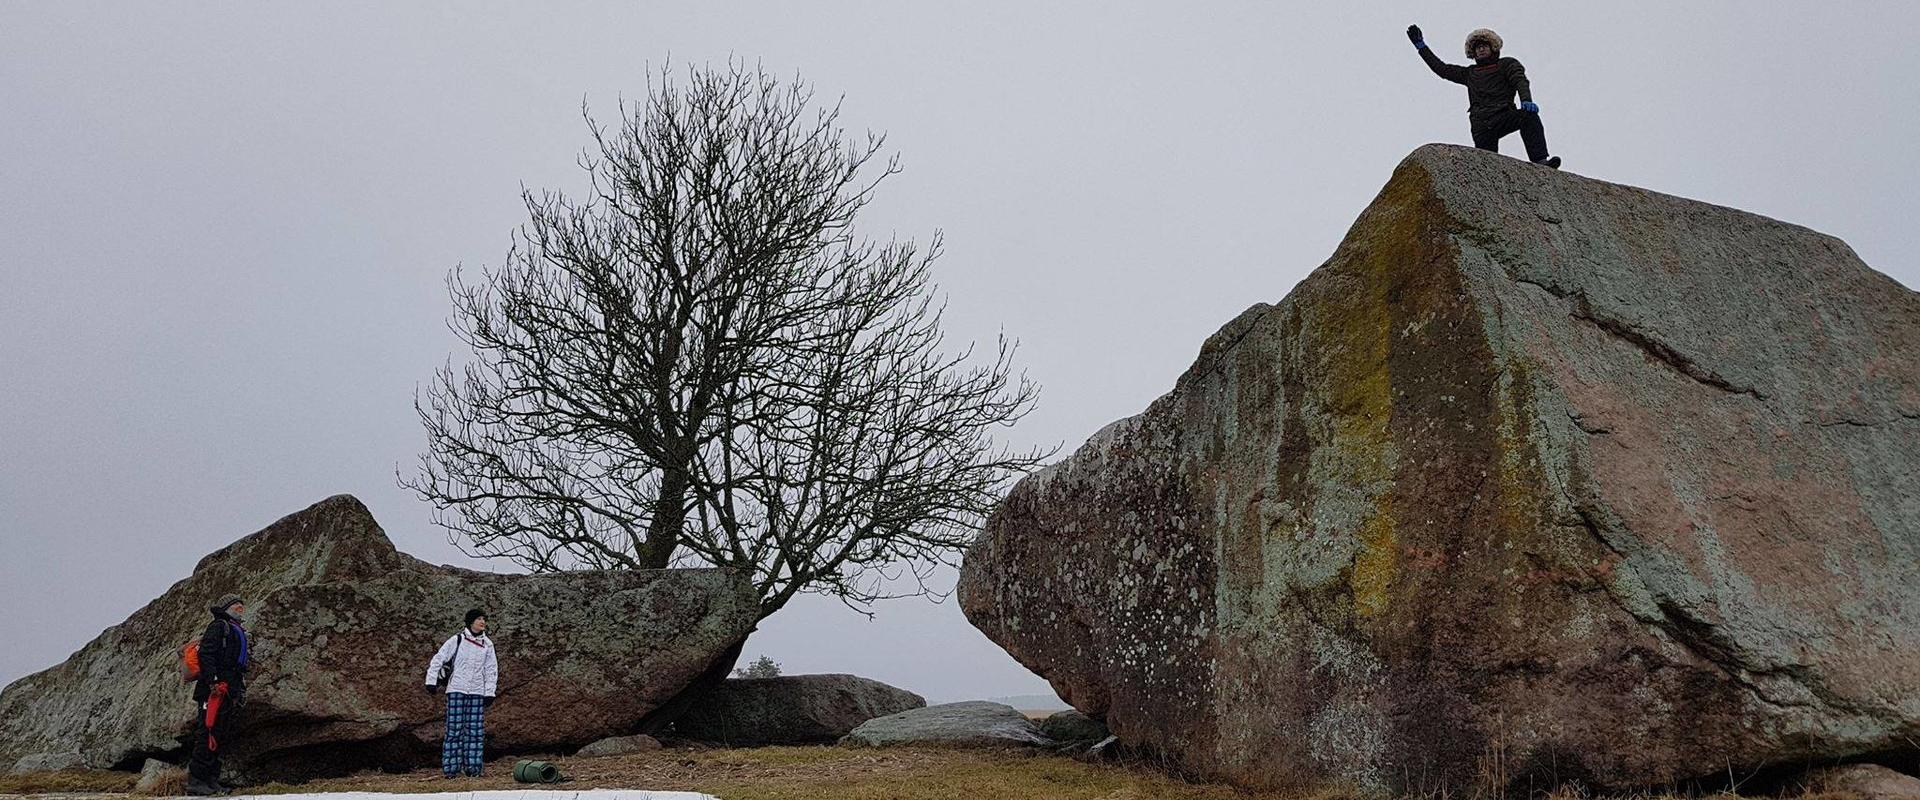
[
  {"x": 1529, "y": 107},
  {"x": 1419, "y": 39}
]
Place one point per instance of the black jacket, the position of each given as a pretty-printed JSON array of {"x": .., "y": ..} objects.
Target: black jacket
[
  {"x": 1490, "y": 86},
  {"x": 220, "y": 658}
]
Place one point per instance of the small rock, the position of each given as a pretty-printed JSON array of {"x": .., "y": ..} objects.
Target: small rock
[
  {"x": 49, "y": 762},
  {"x": 1869, "y": 781},
  {"x": 161, "y": 779},
  {"x": 975, "y": 723},
  {"x": 1073, "y": 726},
  {"x": 619, "y": 746},
  {"x": 1102, "y": 750}
]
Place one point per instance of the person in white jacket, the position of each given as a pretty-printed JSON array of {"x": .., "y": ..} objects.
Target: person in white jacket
[{"x": 467, "y": 669}]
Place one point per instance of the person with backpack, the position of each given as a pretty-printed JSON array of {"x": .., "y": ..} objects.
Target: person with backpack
[
  {"x": 219, "y": 687},
  {"x": 468, "y": 671},
  {"x": 1491, "y": 84}
]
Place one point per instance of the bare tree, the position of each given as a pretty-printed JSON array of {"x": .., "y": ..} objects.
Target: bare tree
[{"x": 701, "y": 362}]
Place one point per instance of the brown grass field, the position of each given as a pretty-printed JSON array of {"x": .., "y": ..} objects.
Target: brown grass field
[{"x": 778, "y": 773}]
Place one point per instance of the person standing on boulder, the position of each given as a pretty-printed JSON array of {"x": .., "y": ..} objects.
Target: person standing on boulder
[
  {"x": 219, "y": 690},
  {"x": 1491, "y": 83},
  {"x": 467, "y": 669}
]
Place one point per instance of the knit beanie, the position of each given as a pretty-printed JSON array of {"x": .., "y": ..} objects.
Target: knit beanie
[{"x": 472, "y": 615}]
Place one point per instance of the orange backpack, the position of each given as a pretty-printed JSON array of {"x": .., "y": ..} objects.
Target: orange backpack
[{"x": 190, "y": 661}]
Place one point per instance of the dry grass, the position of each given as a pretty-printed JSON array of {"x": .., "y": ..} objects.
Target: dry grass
[
  {"x": 817, "y": 773},
  {"x": 80, "y": 782},
  {"x": 795, "y": 773}
]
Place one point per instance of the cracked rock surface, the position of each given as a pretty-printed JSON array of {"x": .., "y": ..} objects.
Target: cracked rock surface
[
  {"x": 1537, "y": 479},
  {"x": 343, "y": 626}
]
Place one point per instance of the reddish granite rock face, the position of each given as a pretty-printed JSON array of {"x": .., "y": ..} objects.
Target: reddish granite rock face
[
  {"x": 1538, "y": 478},
  {"x": 343, "y": 626}
]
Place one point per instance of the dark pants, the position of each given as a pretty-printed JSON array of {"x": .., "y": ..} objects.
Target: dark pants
[
  {"x": 203, "y": 771},
  {"x": 1486, "y": 134}
]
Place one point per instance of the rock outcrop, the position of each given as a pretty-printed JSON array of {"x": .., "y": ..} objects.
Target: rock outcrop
[
  {"x": 343, "y": 626},
  {"x": 790, "y": 709},
  {"x": 1537, "y": 479},
  {"x": 973, "y": 723}
]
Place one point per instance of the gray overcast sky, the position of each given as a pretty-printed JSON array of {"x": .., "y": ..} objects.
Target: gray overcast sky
[{"x": 227, "y": 225}]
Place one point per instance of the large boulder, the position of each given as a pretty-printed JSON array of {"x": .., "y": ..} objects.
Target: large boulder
[
  {"x": 973, "y": 723},
  {"x": 1537, "y": 479},
  {"x": 790, "y": 709},
  {"x": 343, "y": 626}
]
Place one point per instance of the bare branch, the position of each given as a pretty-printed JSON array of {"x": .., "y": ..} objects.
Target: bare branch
[{"x": 700, "y": 362}]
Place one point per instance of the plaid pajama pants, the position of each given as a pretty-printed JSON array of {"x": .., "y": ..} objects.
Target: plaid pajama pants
[{"x": 460, "y": 752}]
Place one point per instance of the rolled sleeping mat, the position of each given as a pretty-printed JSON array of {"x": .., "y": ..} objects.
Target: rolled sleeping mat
[{"x": 536, "y": 772}]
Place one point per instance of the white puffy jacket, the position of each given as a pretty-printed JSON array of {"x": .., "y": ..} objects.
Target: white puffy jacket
[{"x": 475, "y": 669}]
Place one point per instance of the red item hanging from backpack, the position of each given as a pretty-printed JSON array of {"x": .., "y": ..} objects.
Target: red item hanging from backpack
[{"x": 215, "y": 699}]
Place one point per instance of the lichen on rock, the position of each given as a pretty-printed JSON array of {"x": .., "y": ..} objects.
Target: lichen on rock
[{"x": 1537, "y": 479}]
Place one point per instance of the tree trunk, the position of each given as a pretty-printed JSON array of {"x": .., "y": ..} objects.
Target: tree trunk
[{"x": 669, "y": 522}]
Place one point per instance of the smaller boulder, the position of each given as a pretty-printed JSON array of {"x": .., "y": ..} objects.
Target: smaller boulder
[
  {"x": 619, "y": 746},
  {"x": 49, "y": 762},
  {"x": 791, "y": 709},
  {"x": 1868, "y": 781},
  {"x": 1073, "y": 726},
  {"x": 974, "y": 723},
  {"x": 1108, "y": 749},
  {"x": 161, "y": 779}
]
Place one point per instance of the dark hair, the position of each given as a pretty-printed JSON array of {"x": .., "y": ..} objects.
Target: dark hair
[{"x": 473, "y": 614}]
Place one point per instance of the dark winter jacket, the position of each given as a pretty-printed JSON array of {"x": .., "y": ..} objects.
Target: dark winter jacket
[
  {"x": 223, "y": 657},
  {"x": 1490, "y": 86}
]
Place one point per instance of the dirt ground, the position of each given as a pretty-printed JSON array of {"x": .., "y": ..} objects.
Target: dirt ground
[
  {"x": 819, "y": 773},
  {"x": 773, "y": 773}
]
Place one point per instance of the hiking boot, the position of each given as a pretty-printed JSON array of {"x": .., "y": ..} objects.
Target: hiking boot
[{"x": 1551, "y": 162}]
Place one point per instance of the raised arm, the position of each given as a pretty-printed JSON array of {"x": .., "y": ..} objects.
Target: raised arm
[{"x": 1446, "y": 71}]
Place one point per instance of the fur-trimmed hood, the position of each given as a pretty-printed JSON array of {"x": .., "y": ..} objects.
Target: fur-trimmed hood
[{"x": 1484, "y": 35}]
